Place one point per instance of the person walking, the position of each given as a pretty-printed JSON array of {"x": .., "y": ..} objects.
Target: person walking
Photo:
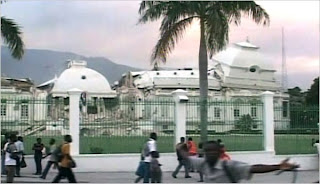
[
  {"x": 200, "y": 155},
  {"x": 216, "y": 170},
  {"x": 192, "y": 148},
  {"x": 11, "y": 157},
  {"x": 52, "y": 160},
  {"x": 150, "y": 146},
  {"x": 67, "y": 163},
  {"x": 155, "y": 170},
  {"x": 38, "y": 147},
  {"x": 20, "y": 149},
  {"x": 182, "y": 161},
  {"x": 140, "y": 169},
  {"x": 3, "y": 154}
]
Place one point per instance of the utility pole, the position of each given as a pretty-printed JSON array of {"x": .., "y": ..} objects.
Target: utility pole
[{"x": 284, "y": 76}]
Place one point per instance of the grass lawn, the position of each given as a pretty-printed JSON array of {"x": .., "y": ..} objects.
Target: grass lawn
[{"x": 284, "y": 143}]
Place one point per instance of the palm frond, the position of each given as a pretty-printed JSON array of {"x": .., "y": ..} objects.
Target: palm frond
[
  {"x": 152, "y": 10},
  {"x": 168, "y": 38},
  {"x": 178, "y": 14},
  {"x": 11, "y": 34},
  {"x": 216, "y": 31},
  {"x": 177, "y": 11},
  {"x": 255, "y": 12},
  {"x": 145, "y": 5}
]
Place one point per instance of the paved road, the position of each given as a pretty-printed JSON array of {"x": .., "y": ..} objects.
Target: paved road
[{"x": 126, "y": 177}]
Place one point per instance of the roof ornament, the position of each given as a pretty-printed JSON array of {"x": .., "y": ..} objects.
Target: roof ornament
[
  {"x": 247, "y": 40},
  {"x": 76, "y": 63},
  {"x": 155, "y": 66}
]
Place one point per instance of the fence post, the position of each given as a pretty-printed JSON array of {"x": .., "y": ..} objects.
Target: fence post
[
  {"x": 180, "y": 98},
  {"x": 74, "y": 119},
  {"x": 268, "y": 121}
]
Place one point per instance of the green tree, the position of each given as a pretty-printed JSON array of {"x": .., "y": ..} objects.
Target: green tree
[
  {"x": 11, "y": 34},
  {"x": 312, "y": 97},
  {"x": 214, "y": 18},
  {"x": 245, "y": 123}
]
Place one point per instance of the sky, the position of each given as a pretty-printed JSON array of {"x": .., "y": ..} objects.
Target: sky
[{"x": 110, "y": 29}]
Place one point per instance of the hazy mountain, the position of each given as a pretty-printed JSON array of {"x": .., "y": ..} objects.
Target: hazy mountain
[{"x": 42, "y": 65}]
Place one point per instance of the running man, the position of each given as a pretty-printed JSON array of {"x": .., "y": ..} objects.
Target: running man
[{"x": 216, "y": 170}]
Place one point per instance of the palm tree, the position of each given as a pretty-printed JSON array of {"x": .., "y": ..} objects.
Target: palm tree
[
  {"x": 214, "y": 18},
  {"x": 11, "y": 35}
]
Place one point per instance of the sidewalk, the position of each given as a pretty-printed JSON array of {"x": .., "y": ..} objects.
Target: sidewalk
[{"x": 128, "y": 177}]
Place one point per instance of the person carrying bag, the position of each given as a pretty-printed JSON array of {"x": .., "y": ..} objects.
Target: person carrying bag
[
  {"x": 23, "y": 163},
  {"x": 67, "y": 163}
]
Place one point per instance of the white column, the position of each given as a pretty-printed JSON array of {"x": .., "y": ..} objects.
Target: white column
[
  {"x": 74, "y": 119},
  {"x": 268, "y": 121},
  {"x": 180, "y": 114}
]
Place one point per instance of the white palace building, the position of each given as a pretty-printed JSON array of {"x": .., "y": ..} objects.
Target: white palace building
[
  {"x": 239, "y": 74},
  {"x": 239, "y": 71}
]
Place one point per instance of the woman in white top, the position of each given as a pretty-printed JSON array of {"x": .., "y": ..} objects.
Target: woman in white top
[{"x": 10, "y": 163}]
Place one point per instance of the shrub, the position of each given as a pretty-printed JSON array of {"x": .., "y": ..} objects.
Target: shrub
[{"x": 244, "y": 123}]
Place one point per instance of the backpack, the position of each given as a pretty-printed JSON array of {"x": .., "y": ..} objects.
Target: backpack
[{"x": 58, "y": 153}]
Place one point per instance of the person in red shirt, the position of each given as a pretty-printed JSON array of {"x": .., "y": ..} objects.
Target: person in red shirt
[
  {"x": 192, "y": 149},
  {"x": 224, "y": 155}
]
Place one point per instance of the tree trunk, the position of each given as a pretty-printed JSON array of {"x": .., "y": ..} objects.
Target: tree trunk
[{"x": 203, "y": 73}]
